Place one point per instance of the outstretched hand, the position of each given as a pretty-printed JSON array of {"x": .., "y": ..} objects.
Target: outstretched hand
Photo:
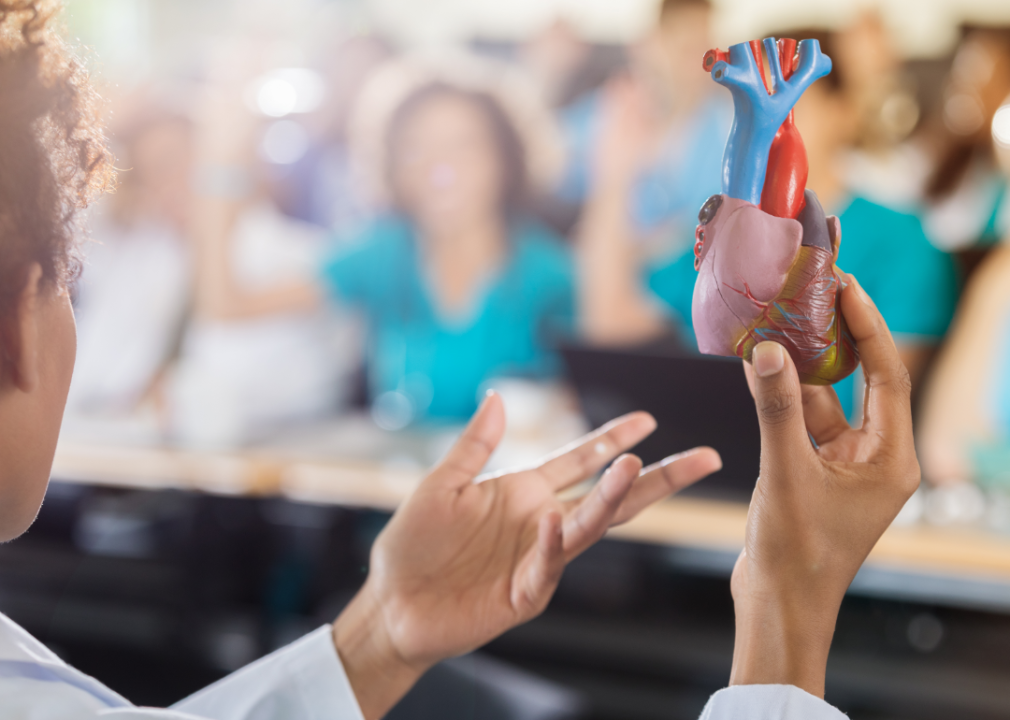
[
  {"x": 826, "y": 494},
  {"x": 466, "y": 558}
]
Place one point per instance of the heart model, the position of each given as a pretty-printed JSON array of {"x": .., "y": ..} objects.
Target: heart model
[{"x": 764, "y": 251}]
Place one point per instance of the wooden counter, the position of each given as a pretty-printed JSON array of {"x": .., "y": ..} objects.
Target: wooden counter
[{"x": 964, "y": 566}]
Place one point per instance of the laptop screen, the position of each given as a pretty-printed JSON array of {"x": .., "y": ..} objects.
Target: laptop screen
[{"x": 696, "y": 400}]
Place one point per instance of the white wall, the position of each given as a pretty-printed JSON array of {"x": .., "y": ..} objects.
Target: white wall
[
  {"x": 135, "y": 37},
  {"x": 921, "y": 27}
]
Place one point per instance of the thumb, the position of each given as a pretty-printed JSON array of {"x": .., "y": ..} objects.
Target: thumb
[{"x": 776, "y": 389}]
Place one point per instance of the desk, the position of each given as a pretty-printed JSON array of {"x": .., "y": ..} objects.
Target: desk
[{"x": 960, "y": 567}]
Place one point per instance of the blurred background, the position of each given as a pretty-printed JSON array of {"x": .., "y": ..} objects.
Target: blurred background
[{"x": 340, "y": 222}]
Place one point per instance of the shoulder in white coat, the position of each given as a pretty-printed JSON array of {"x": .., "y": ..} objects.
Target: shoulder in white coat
[
  {"x": 768, "y": 702},
  {"x": 304, "y": 679}
]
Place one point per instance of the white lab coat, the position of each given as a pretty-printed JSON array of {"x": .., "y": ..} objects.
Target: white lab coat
[
  {"x": 303, "y": 681},
  {"x": 768, "y": 702}
]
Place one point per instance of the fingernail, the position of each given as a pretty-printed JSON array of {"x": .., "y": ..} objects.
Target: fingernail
[
  {"x": 610, "y": 468},
  {"x": 768, "y": 359},
  {"x": 860, "y": 293},
  {"x": 688, "y": 453}
]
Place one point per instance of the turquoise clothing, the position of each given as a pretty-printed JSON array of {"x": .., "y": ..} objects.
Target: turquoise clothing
[
  {"x": 914, "y": 284},
  {"x": 672, "y": 281},
  {"x": 440, "y": 363}
]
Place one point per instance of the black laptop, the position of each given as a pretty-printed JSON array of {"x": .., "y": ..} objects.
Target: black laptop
[{"x": 697, "y": 400}]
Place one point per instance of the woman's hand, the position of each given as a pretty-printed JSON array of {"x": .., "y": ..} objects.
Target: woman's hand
[
  {"x": 819, "y": 507},
  {"x": 465, "y": 558},
  {"x": 629, "y": 134},
  {"x": 614, "y": 310}
]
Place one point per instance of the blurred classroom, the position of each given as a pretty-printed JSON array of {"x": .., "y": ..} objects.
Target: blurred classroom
[{"x": 338, "y": 223}]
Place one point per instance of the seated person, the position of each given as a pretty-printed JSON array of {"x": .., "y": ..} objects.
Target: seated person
[
  {"x": 422, "y": 600},
  {"x": 238, "y": 378},
  {"x": 456, "y": 282},
  {"x": 619, "y": 304},
  {"x": 140, "y": 252},
  {"x": 965, "y": 430},
  {"x": 320, "y": 187},
  {"x": 688, "y": 121},
  {"x": 646, "y": 154}
]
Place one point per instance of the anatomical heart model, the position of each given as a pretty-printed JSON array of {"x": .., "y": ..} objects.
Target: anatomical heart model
[{"x": 765, "y": 252}]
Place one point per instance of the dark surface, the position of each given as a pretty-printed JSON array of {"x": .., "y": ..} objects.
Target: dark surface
[
  {"x": 696, "y": 400},
  {"x": 181, "y": 588}
]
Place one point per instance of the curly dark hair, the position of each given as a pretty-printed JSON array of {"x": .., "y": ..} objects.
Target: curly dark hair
[{"x": 54, "y": 159}]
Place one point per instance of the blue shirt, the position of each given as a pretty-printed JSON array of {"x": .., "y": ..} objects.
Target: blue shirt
[
  {"x": 673, "y": 188},
  {"x": 672, "y": 281},
  {"x": 441, "y": 363}
]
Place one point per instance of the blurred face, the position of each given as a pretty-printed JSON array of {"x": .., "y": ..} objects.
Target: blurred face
[
  {"x": 162, "y": 164},
  {"x": 447, "y": 171},
  {"x": 826, "y": 121},
  {"x": 33, "y": 393},
  {"x": 669, "y": 58},
  {"x": 865, "y": 51}
]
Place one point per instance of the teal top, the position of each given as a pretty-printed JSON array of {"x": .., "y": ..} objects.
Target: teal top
[
  {"x": 440, "y": 363},
  {"x": 912, "y": 282},
  {"x": 672, "y": 281}
]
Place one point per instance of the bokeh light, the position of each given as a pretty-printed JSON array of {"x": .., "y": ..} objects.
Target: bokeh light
[{"x": 1001, "y": 127}]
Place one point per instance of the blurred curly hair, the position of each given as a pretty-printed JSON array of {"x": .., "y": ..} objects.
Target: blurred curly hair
[{"x": 54, "y": 159}]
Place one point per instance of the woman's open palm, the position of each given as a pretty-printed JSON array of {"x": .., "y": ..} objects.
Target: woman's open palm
[{"x": 467, "y": 557}]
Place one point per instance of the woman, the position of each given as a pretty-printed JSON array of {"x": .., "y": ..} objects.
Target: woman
[
  {"x": 460, "y": 563},
  {"x": 457, "y": 283},
  {"x": 141, "y": 251}
]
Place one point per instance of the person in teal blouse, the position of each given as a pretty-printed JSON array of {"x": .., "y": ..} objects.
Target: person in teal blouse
[
  {"x": 437, "y": 360},
  {"x": 914, "y": 284},
  {"x": 457, "y": 284}
]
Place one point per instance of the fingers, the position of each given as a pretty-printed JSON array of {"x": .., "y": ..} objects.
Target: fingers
[
  {"x": 590, "y": 454},
  {"x": 887, "y": 409},
  {"x": 823, "y": 413},
  {"x": 776, "y": 389},
  {"x": 666, "y": 477},
  {"x": 531, "y": 594},
  {"x": 591, "y": 517},
  {"x": 470, "y": 453}
]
